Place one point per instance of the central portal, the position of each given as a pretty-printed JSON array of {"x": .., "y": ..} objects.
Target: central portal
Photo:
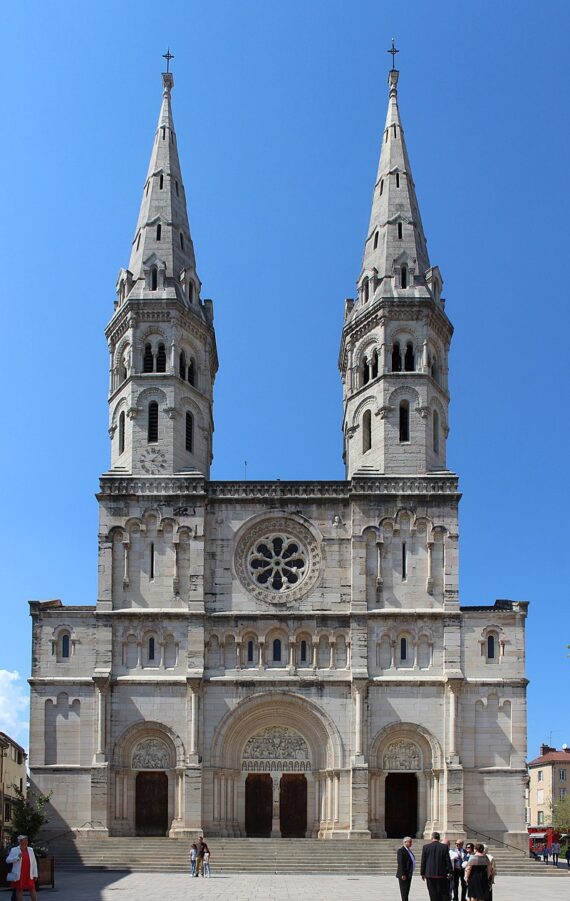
[
  {"x": 401, "y": 805},
  {"x": 293, "y": 805}
]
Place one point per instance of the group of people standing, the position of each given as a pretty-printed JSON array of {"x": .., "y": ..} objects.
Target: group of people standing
[
  {"x": 200, "y": 859},
  {"x": 445, "y": 869}
]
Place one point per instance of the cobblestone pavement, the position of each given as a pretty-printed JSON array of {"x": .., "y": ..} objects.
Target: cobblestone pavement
[{"x": 177, "y": 887}]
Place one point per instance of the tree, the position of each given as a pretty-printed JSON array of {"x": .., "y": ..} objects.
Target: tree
[
  {"x": 561, "y": 815},
  {"x": 29, "y": 813}
]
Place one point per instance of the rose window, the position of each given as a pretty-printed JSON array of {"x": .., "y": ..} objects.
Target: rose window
[{"x": 277, "y": 562}]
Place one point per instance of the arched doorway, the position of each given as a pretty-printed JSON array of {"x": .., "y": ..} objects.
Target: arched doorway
[
  {"x": 277, "y": 733},
  {"x": 401, "y": 811},
  {"x": 404, "y": 783},
  {"x": 151, "y": 806}
]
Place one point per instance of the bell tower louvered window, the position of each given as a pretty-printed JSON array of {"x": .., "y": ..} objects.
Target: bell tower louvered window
[{"x": 161, "y": 359}]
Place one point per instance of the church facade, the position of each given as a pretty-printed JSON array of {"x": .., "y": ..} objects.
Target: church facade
[{"x": 280, "y": 658}]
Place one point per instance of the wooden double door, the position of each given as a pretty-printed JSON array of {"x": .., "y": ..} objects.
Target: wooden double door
[
  {"x": 292, "y": 805},
  {"x": 151, "y": 806}
]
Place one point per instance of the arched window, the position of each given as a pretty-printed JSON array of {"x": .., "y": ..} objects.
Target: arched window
[
  {"x": 400, "y": 231},
  {"x": 409, "y": 359},
  {"x": 161, "y": 359},
  {"x": 152, "y": 432},
  {"x": 375, "y": 364},
  {"x": 375, "y": 240},
  {"x": 159, "y": 232},
  {"x": 65, "y": 644},
  {"x": 161, "y": 182},
  {"x": 366, "y": 290},
  {"x": 491, "y": 650},
  {"x": 153, "y": 278},
  {"x": 182, "y": 365},
  {"x": 176, "y": 186},
  {"x": 397, "y": 179},
  {"x": 122, "y": 432},
  {"x": 303, "y": 651},
  {"x": 396, "y": 357},
  {"x": 382, "y": 180},
  {"x": 148, "y": 362},
  {"x": 366, "y": 431},
  {"x": 403, "y": 649},
  {"x": 189, "y": 432},
  {"x": 191, "y": 372},
  {"x": 191, "y": 292},
  {"x": 404, "y": 276},
  {"x": 404, "y": 420},
  {"x": 181, "y": 241},
  {"x": 435, "y": 432},
  {"x": 365, "y": 371},
  {"x": 151, "y": 649},
  {"x": 250, "y": 651},
  {"x": 277, "y": 650}
]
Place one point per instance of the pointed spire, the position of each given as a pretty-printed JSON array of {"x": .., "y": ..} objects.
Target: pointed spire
[
  {"x": 395, "y": 234},
  {"x": 162, "y": 236}
]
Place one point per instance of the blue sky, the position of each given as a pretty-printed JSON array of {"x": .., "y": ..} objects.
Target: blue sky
[{"x": 279, "y": 109}]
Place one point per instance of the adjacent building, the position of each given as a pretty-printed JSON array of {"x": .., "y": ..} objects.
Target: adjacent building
[
  {"x": 12, "y": 777},
  {"x": 549, "y": 780},
  {"x": 280, "y": 658}
]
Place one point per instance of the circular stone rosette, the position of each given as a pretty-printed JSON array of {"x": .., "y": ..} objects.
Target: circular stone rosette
[{"x": 278, "y": 561}]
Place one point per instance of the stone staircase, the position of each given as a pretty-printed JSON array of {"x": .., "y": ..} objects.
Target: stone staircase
[{"x": 259, "y": 855}]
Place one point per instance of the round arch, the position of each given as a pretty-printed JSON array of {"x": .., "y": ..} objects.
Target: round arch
[
  {"x": 411, "y": 732},
  {"x": 277, "y": 708},
  {"x": 138, "y": 732}
]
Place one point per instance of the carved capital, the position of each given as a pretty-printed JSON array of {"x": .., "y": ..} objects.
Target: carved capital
[
  {"x": 383, "y": 412},
  {"x": 132, "y": 412}
]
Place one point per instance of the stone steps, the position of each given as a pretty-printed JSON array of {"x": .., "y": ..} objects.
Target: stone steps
[{"x": 236, "y": 855}]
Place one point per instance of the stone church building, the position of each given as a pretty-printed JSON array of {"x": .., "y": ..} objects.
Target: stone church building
[{"x": 280, "y": 658}]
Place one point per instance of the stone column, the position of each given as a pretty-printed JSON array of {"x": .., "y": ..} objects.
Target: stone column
[
  {"x": 315, "y": 647},
  {"x": 194, "y": 719},
  {"x": 275, "y": 821},
  {"x": 357, "y": 694},
  {"x": 101, "y": 690},
  {"x": 379, "y": 577},
  {"x": 452, "y": 721},
  {"x": 331, "y": 654},
  {"x": 292, "y": 655}
]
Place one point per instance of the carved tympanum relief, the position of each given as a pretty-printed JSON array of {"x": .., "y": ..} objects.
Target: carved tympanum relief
[
  {"x": 276, "y": 748},
  {"x": 151, "y": 754},
  {"x": 278, "y": 560},
  {"x": 402, "y": 755}
]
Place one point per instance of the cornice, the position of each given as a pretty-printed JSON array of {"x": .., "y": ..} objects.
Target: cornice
[
  {"x": 429, "y": 484},
  {"x": 112, "y": 485}
]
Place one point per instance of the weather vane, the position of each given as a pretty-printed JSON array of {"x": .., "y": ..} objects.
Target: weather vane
[
  {"x": 393, "y": 51},
  {"x": 168, "y": 56}
]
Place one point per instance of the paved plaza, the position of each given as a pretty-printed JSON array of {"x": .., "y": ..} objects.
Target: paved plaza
[{"x": 171, "y": 887}]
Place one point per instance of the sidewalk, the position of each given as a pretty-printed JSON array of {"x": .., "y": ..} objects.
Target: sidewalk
[{"x": 91, "y": 886}]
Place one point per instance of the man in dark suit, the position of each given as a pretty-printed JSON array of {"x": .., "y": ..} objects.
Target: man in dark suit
[
  {"x": 436, "y": 869},
  {"x": 406, "y": 864}
]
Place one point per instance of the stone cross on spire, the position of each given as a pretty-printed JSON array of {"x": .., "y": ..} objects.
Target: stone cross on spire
[{"x": 168, "y": 56}]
